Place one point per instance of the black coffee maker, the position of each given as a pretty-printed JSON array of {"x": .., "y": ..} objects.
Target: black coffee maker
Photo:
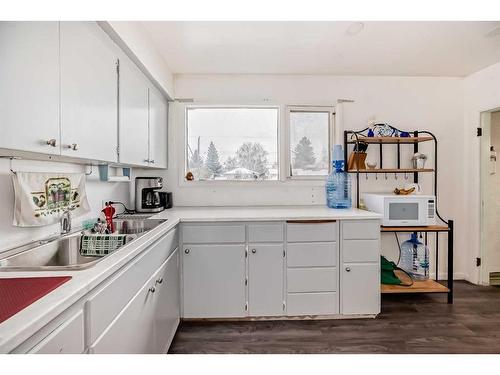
[{"x": 148, "y": 198}]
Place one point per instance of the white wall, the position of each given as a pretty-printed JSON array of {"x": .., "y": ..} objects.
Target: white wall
[
  {"x": 481, "y": 93},
  {"x": 97, "y": 192},
  {"x": 433, "y": 103},
  {"x": 132, "y": 37}
]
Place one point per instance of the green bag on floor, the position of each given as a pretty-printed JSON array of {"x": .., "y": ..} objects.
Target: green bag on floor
[{"x": 387, "y": 275}]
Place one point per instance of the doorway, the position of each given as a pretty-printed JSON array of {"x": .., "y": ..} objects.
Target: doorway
[{"x": 490, "y": 198}]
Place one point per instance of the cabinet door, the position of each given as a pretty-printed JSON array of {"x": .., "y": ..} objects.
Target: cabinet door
[
  {"x": 132, "y": 331},
  {"x": 265, "y": 280},
  {"x": 29, "y": 86},
  {"x": 360, "y": 288},
  {"x": 167, "y": 310},
  {"x": 213, "y": 281},
  {"x": 134, "y": 114},
  {"x": 157, "y": 129},
  {"x": 89, "y": 88}
]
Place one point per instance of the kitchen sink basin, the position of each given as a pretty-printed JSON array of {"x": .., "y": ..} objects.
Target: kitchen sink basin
[{"x": 63, "y": 253}]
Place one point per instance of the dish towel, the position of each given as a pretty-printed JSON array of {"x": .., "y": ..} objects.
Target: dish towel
[{"x": 41, "y": 198}]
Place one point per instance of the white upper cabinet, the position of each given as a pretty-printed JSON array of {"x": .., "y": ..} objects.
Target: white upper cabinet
[
  {"x": 157, "y": 129},
  {"x": 134, "y": 114},
  {"x": 89, "y": 87},
  {"x": 29, "y": 86}
]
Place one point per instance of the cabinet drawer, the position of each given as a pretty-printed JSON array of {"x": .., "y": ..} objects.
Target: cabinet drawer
[
  {"x": 312, "y": 304},
  {"x": 106, "y": 303},
  {"x": 265, "y": 232},
  {"x": 312, "y": 254},
  {"x": 361, "y": 229},
  {"x": 213, "y": 233},
  {"x": 312, "y": 280},
  {"x": 68, "y": 338},
  {"x": 310, "y": 232},
  {"x": 361, "y": 250}
]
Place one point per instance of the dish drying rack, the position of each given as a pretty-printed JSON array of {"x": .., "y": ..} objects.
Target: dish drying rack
[{"x": 99, "y": 245}]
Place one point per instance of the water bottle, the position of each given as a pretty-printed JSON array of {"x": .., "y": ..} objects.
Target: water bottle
[
  {"x": 415, "y": 258},
  {"x": 338, "y": 182}
]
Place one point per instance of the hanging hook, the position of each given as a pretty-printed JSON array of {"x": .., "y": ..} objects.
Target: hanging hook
[
  {"x": 366, "y": 174},
  {"x": 91, "y": 170},
  {"x": 376, "y": 176},
  {"x": 406, "y": 176},
  {"x": 395, "y": 175},
  {"x": 385, "y": 175},
  {"x": 10, "y": 161}
]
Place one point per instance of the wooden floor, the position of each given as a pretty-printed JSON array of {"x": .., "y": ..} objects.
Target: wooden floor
[{"x": 407, "y": 324}]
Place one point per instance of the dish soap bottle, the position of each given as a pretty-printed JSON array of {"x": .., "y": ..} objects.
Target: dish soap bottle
[
  {"x": 415, "y": 258},
  {"x": 338, "y": 182}
]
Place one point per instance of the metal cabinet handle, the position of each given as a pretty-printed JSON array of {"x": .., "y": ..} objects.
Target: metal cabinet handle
[
  {"x": 348, "y": 269},
  {"x": 152, "y": 289},
  {"x": 146, "y": 160},
  {"x": 186, "y": 251},
  {"x": 159, "y": 281},
  {"x": 52, "y": 142},
  {"x": 73, "y": 146},
  {"x": 254, "y": 251},
  {"x": 152, "y": 161}
]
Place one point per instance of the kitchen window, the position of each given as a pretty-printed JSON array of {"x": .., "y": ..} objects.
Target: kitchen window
[
  {"x": 232, "y": 143},
  {"x": 310, "y": 140}
]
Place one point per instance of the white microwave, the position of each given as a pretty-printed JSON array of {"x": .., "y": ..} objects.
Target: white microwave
[{"x": 402, "y": 210}]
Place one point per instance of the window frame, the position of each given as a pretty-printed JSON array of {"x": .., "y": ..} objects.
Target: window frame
[
  {"x": 185, "y": 151},
  {"x": 330, "y": 109}
]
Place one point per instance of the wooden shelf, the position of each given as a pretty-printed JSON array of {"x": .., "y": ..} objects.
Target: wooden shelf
[
  {"x": 391, "y": 170},
  {"x": 425, "y": 286},
  {"x": 391, "y": 140},
  {"x": 430, "y": 228}
]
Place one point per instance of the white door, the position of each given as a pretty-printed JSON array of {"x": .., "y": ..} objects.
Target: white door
[
  {"x": 134, "y": 114},
  {"x": 29, "y": 86},
  {"x": 89, "y": 92},
  {"x": 213, "y": 281},
  {"x": 167, "y": 310},
  {"x": 132, "y": 331},
  {"x": 360, "y": 288},
  {"x": 265, "y": 280},
  {"x": 157, "y": 129}
]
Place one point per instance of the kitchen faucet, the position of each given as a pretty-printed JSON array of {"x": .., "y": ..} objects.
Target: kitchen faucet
[{"x": 66, "y": 222}]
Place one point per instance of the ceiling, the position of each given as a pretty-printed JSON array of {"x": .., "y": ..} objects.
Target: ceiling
[{"x": 342, "y": 48}]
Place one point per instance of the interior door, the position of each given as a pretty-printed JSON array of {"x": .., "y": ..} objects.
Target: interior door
[
  {"x": 134, "y": 114},
  {"x": 213, "y": 281},
  {"x": 360, "y": 288},
  {"x": 29, "y": 86},
  {"x": 89, "y": 92},
  {"x": 265, "y": 280},
  {"x": 167, "y": 310},
  {"x": 157, "y": 129}
]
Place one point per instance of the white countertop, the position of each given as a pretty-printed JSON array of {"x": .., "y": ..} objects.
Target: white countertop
[{"x": 24, "y": 324}]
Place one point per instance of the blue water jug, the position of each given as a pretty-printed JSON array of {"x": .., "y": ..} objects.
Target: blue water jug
[
  {"x": 415, "y": 258},
  {"x": 338, "y": 182}
]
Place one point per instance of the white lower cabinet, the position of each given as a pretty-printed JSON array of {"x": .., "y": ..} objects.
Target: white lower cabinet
[
  {"x": 68, "y": 338},
  {"x": 360, "y": 289},
  {"x": 265, "y": 280},
  {"x": 148, "y": 322},
  {"x": 213, "y": 281}
]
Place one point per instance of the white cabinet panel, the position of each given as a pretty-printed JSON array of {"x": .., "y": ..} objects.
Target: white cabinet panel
[
  {"x": 361, "y": 229},
  {"x": 157, "y": 129},
  {"x": 312, "y": 254},
  {"x": 134, "y": 114},
  {"x": 29, "y": 86},
  {"x": 267, "y": 232},
  {"x": 360, "y": 288},
  {"x": 224, "y": 233},
  {"x": 213, "y": 281},
  {"x": 68, "y": 338},
  {"x": 312, "y": 304},
  {"x": 312, "y": 231},
  {"x": 361, "y": 251},
  {"x": 265, "y": 280},
  {"x": 89, "y": 87},
  {"x": 312, "y": 279},
  {"x": 167, "y": 311}
]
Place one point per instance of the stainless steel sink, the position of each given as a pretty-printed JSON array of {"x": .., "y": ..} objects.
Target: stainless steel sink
[{"x": 63, "y": 253}]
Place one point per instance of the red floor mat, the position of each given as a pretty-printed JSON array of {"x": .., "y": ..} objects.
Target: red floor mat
[{"x": 18, "y": 293}]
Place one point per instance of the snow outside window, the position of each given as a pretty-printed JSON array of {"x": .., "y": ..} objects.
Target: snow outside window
[
  {"x": 232, "y": 143},
  {"x": 310, "y": 133}
]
